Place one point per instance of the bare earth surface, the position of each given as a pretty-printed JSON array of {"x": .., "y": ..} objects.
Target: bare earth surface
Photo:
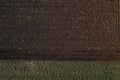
[{"x": 59, "y": 29}]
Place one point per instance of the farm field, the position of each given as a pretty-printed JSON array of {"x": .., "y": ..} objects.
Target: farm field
[{"x": 58, "y": 70}]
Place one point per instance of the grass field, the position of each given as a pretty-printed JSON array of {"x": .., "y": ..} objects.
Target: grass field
[{"x": 58, "y": 70}]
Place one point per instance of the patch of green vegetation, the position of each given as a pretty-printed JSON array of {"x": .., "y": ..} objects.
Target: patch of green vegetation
[{"x": 58, "y": 70}]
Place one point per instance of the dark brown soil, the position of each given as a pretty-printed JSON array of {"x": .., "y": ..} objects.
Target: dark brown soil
[{"x": 59, "y": 29}]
